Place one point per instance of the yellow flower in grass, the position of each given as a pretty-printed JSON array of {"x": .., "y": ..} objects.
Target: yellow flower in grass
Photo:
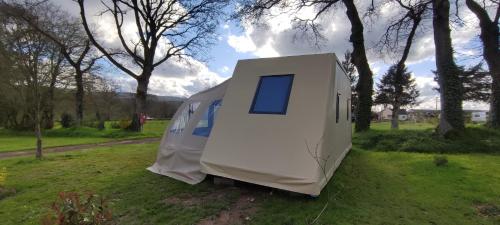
[{"x": 3, "y": 175}]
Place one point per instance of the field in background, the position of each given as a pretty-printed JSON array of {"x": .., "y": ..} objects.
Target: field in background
[{"x": 16, "y": 140}]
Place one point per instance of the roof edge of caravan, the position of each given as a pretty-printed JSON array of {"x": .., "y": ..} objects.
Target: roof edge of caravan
[
  {"x": 210, "y": 89},
  {"x": 288, "y": 56},
  {"x": 302, "y": 55}
]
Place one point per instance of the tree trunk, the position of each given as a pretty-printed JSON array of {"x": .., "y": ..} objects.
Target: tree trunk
[
  {"x": 395, "y": 116},
  {"x": 38, "y": 134},
  {"x": 364, "y": 87},
  {"x": 491, "y": 53},
  {"x": 79, "y": 97},
  {"x": 48, "y": 112},
  {"x": 399, "y": 75},
  {"x": 451, "y": 118},
  {"x": 140, "y": 102}
]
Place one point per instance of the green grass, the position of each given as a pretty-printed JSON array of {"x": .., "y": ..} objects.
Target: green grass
[
  {"x": 368, "y": 188},
  {"x": 420, "y": 137},
  {"x": 22, "y": 140}
]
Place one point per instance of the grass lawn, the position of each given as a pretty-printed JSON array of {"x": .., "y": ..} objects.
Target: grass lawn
[
  {"x": 15, "y": 140},
  {"x": 370, "y": 187}
]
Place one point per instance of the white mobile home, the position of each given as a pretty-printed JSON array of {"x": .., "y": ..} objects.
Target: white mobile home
[
  {"x": 479, "y": 117},
  {"x": 282, "y": 123}
]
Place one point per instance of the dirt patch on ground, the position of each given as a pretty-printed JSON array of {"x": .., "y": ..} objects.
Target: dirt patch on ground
[
  {"x": 487, "y": 210},
  {"x": 187, "y": 200},
  {"x": 240, "y": 212},
  {"x": 6, "y": 192}
]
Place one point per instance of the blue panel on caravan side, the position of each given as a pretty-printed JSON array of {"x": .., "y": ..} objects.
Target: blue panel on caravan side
[{"x": 206, "y": 123}]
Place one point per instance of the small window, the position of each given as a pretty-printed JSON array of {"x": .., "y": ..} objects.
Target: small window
[
  {"x": 206, "y": 123},
  {"x": 348, "y": 106},
  {"x": 337, "y": 112},
  {"x": 183, "y": 119},
  {"x": 272, "y": 95}
]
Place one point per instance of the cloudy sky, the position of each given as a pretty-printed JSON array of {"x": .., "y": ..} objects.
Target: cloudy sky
[{"x": 276, "y": 37}]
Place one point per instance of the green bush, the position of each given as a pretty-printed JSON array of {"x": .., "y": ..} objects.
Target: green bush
[
  {"x": 67, "y": 120},
  {"x": 99, "y": 125},
  {"x": 73, "y": 209},
  {"x": 124, "y": 124},
  {"x": 473, "y": 139},
  {"x": 115, "y": 125}
]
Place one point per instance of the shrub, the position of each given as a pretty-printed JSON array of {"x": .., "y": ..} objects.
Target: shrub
[
  {"x": 124, "y": 124},
  {"x": 67, "y": 120},
  {"x": 115, "y": 125},
  {"x": 440, "y": 160},
  {"x": 73, "y": 209},
  {"x": 95, "y": 124}
]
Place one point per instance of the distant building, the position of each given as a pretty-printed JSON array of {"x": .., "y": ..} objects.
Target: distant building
[
  {"x": 479, "y": 116},
  {"x": 403, "y": 115},
  {"x": 419, "y": 115},
  {"x": 386, "y": 114}
]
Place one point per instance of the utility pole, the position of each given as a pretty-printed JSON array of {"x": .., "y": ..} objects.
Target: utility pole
[{"x": 437, "y": 103}]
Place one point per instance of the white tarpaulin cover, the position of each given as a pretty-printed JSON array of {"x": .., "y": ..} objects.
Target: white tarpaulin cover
[
  {"x": 284, "y": 122},
  {"x": 183, "y": 142}
]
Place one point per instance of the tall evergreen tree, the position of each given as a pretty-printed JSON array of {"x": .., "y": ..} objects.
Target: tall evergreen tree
[
  {"x": 352, "y": 73},
  {"x": 476, "y": 83},
  {"x": 388, "y": 95}
]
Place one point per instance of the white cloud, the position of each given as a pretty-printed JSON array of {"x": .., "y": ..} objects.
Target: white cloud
[
  {"x": 241, "y": 43},
  {"x": 224, "y": 69}
]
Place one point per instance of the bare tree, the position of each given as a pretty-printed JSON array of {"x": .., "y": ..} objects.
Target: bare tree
[
  {"x": 451, "y": 118},
  {"x": 257, "y": 9},
  {"x": 394, "y": 36},
  {"x": 32, "y": 57},
  {"x": 67, "y": 33},
  {"x": 491, "y": 52},
  {"x": 166, "y": 29}
]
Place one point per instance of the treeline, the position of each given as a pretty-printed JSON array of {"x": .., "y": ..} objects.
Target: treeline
[{"x": 99, "y": 106}]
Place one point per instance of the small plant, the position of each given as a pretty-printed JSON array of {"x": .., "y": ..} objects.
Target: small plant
[
  {"x": 67, "y": 120},
  {"x": 5, "y": 192},
  {"x": 124, "y": 124},
  {"x": 115, "y": 125},
  {"x": 73, "y": 209},
  {"x": 440, "y": 160}
]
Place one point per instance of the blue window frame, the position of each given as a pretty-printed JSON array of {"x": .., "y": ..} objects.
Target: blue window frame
[
  {"x": 272, "y": 94},
  {"x": 206, "y": 123}
]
